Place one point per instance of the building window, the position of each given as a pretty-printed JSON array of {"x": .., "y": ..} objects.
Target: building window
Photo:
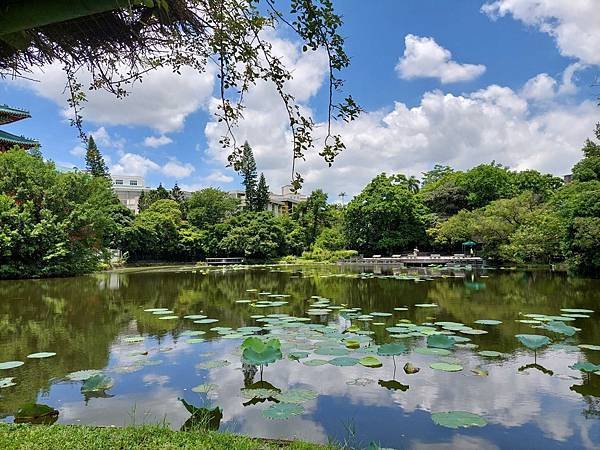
[
  {"x": 118, "y": 181},
  {"x": 133, "y": 183}
]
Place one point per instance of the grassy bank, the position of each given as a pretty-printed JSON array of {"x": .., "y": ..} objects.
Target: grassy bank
[{"x": 53, "y": 437}]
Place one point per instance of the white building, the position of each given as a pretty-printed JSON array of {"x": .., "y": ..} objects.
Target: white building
[
  {"x": 128, "y": 189},
  {"x": 279, "y": 204}
]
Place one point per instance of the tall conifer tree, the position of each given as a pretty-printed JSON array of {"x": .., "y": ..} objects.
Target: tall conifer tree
[
  {"x": 262, "y": 194},
  {"x": 94, "y": 162},
  {"x": 248, "y": 172}
]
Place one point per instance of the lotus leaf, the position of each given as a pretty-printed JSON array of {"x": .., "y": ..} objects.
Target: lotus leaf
[
  {"x": 533, "y": 341},
  {"x": 282, "y": 411},
  {"x": 82, "y": 375},
  {"x": 393, "y": 385},
  {"x": 7, "y": 382},
  {"x": 575, "y": 310},
  {"x": 155, "y": 309},
  {"x": 195, "y": 340},
  {"x": 446, "y": 367},
  {"x": 343, "y": 361},
  {"x": 391, "y": 349},
  {"x": 561, "y": 328},
  {"x": 315, "y": 362},
  {"x": 381, "y": 314},
  {"x": 458, "y": 419},
  {"x": 41, "y": 355},
  {"x": 258, "y": 352},
  {"x": 10, "y": 364},
  {"x": 205, "y": 388},
  {"x": 471, "y": 331},
  {"x": 161, "y": 312},
  {"x": 370, "y": 361},
  {"x": 587, "y": 367},
  {"x": 426, "y": 305},
  {"x": 97, "y": 383},
  {"x": 36, "y": 413},
  {"x": 296, "y": 396},
  {"x": 168, "y": 318},
  {"x": 440, "y": 341}
]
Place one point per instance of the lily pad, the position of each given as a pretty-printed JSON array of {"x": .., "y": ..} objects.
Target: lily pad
[
  {"x": 214, "y": 364},
  {"x": 352, "y": 343},
  {"x": 259, "y": 393},
  {"x": 458, "y": 419},
  {"x": 10, "y": 365},
  {"x": 82, "y": 375},
  {"x": 258, "y": 352},
  {"x": 480, "y": 371},
  {"x": 331, "y": 351},
  {"x": 446, "y": 367},
  {"x": 370, "y": 361},
  {"x": 97, "y": 383},
  {"x": 393, "y": 385},
  {"x": 315, "y": 362},
  {"x": 195, "y": 340},
  {"x": 391, "y": 349},
  {"x": 7, "y": 382},
  {"x": 426, "y": 305},
  {"x": 41, "y": 355},
  {"x": 195, "y": 316},
  {"x": 589, "y": 346},
  {"x": 205, "y": 388},
  {"x": 586, "y": 367},
  {"x": 432, "y": 351},
  {"x": 533, "y": 341},
  {"x": 282, "y": 411},
  {"x": 205, "y": 321},
  {"x": 343, "y": 361},
  {"x": 295, "y": 356},
  {"x": 133, "y": 339},
  {"x": 576, "y": 310},
  {"x": 296, "y": 396},
  {"x": 490, "y": 354},
  {"x": 440, "y": 341},
  {"x": 488, "y": 322},
  {"x": 168, "y": 318},
  {"x": 381, "y": 314}
]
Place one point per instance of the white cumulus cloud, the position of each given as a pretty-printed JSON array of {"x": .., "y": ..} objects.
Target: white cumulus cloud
[
  {"x": 157, "y": 141},
  {"x": 175, "y": 169},
  {"x": 572, "y": 23},
  {"x": 423, "y": 57}
]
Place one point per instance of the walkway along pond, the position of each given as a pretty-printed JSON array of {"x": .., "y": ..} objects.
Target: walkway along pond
[{"x": 403, "y": 359}]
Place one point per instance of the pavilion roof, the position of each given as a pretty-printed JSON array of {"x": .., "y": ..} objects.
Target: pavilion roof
[
  {"x": 8, "y": 114},
  {"x": 12, "y": 139}
]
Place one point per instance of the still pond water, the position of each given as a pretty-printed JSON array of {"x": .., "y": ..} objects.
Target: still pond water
[{"x": 149, "y": 361}]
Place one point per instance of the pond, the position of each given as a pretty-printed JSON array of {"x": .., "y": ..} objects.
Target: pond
[{"x": 457, "y": 327}]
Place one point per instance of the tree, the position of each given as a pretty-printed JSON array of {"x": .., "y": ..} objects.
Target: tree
[
  {"x": 313, "y": 215},
  {"x": 256, "y": 235},
  {"x": 177, "y": 194},
  {"x": 588, "y": 168},
  {"x": 444, "y": 197},
  {"x": 437, "y": 173},
  {"x": 151, "y": 196},
  {"x": 486, "y": 183},
  {"x": 207, "y": 207},
  {"x": 52, "y": 224},
  {"x": 248, "y": 172},
  {"x": 262, "y": 194},
  {"x": 386, "y": 217},
  {"x": 136, "y": 36},
  {"x": 94, "y": 162}
]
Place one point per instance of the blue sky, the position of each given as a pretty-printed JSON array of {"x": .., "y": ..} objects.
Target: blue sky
[{"x": 456, "y": 83}]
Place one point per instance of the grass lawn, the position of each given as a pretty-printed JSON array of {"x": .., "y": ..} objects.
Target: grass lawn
[{"x": 54, "y": 437}]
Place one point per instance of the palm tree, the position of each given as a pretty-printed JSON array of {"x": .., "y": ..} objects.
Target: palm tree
[{"x": 413, "y": 184}]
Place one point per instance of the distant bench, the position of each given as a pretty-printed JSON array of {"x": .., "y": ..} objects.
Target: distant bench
[{"x": 223, "y": 261}]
